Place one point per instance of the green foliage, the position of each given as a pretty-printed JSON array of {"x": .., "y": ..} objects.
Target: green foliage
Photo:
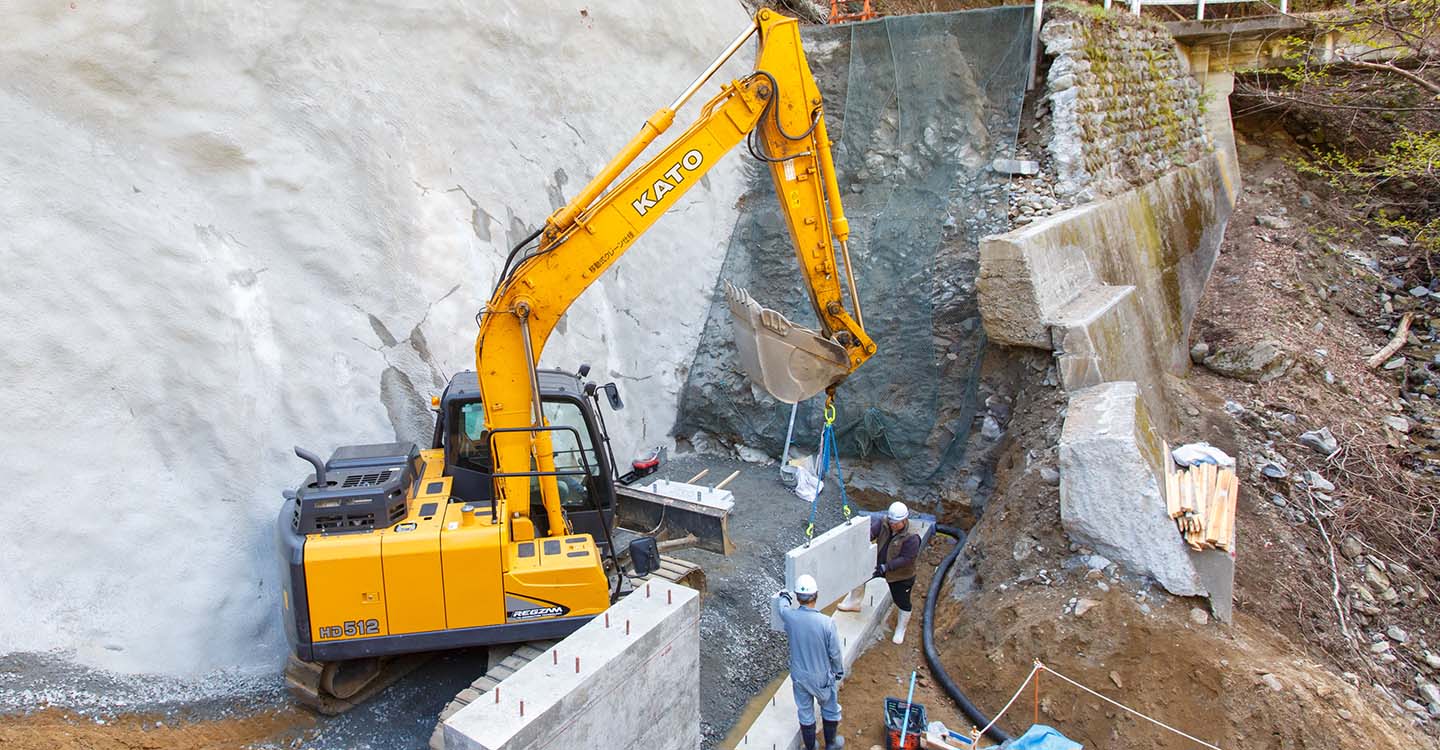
[{"x": 1361, "y": 81}]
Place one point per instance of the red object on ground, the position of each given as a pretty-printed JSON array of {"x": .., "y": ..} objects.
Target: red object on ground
[{"x": 865, "y": 13}]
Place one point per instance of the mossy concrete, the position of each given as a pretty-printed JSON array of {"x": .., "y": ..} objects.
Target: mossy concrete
[
  {"x": 1111, "y": 489},
  {"x": 1161, "y": 239}
]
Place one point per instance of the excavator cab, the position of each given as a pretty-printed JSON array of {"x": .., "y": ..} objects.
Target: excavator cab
[{"x": 580, "y": 445}]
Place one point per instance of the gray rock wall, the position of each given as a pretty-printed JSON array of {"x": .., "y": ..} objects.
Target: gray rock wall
[
  {"x": 227, "y": 228},
  {"x": 1124, "y": 109},
  {"x": 918, "y": 107}
]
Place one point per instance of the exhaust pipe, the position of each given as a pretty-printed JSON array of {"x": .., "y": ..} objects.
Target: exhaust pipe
[
  {"x": 791, "y": 362},
  {"x": 317, "y": 463}
]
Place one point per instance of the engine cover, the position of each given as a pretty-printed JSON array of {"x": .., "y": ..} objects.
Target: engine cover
[{"x": 365, "y": 488}]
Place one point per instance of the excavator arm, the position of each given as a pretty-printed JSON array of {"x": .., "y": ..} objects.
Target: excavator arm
[{"x": 778, "y": 107}]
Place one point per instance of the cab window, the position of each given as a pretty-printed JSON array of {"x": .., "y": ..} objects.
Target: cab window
[
  {"x": 571, "y": 455},
  {"x": 469, "y": 439}
]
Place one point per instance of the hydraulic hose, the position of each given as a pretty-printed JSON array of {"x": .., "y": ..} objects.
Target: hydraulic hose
[{"x": 932, "y": 657}]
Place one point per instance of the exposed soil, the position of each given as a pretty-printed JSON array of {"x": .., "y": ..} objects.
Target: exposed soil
[
  {"x": 1281, "y": 676},
  {"x": 53, "y": 729},
  {"x": 1308, "y": 288}
]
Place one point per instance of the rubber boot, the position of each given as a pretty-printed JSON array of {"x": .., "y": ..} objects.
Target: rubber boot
[
  {"x": 832, "y": 739},
  {"x": 807, "y": 735},
  {"x": 900, "y": 623},
  {"x": 853, "y": 600}
]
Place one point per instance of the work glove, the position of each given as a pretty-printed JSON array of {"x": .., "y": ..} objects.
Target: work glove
[
  {"x": 839, "y": 676},
  {"x": 785, "y": 595},
  {"x": 879, "y": 571}
]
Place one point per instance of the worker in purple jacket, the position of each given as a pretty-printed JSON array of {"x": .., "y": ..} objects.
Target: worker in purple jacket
[{"x": 897, "y": 547}]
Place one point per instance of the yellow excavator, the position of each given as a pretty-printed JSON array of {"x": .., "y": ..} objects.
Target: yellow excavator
[{"x": 499, "y": 532}]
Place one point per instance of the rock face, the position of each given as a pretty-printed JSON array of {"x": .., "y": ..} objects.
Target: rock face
[
  {"x": 1109, "y": 487},
  {"x": 915, "y": 135},
  {"x": 228, "y": 229},
  {"x": 1125, "y": 108}
]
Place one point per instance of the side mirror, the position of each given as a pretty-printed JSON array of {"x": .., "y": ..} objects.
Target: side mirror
[
  {"x": 584, "y": 370},
  {"x": 612, "y": 394},
  {"x": 645, "y": 556}
]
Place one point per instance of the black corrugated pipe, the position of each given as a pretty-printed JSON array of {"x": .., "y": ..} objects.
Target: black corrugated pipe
[{"x": 932, "y": 657}]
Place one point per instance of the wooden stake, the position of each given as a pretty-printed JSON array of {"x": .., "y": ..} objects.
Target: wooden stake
[{"x": 726, "y": 480}]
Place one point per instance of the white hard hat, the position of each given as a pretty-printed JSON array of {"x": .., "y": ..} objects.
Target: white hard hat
[
  {"x": 805, "y": 586},
  {"x": 898, "y": 511}
]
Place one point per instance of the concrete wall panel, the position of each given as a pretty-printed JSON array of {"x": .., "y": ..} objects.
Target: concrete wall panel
[
  {"x": 1161, "y": 238},
  {"x": 840, "y": 559},
  {"x": 638, "y": 689}
]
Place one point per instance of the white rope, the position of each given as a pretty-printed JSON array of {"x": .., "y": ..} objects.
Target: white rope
[
  {"x": 1113, "y": 703},
  {"x": 1038, "y": 666}
]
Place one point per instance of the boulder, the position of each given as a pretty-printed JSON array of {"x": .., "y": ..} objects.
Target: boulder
[
  {"x": 1255, "y": 363},
  {"x": 1110, "y": 491}
]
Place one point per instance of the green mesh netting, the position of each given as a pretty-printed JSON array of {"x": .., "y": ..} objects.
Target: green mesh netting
[{"x": 918, "y": 106}]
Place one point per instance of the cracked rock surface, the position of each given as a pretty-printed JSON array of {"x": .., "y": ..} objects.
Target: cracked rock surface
[{"x": 228, "y": 231}]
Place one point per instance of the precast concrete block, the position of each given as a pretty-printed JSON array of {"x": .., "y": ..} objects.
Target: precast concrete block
[
  {"x": 840, "y": 559},
  {"x": 1110, "y": 493},
  {"x": 696, "y": 493},
  {"x": 629, "y": 680}
]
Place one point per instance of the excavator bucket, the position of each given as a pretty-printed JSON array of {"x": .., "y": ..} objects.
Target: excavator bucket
[{"x": 792, "y": 363}]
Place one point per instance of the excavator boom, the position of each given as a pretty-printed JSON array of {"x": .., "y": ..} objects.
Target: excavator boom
[
  {"x": 779, "y": 108},
  {"x": 391, "y": 551}
]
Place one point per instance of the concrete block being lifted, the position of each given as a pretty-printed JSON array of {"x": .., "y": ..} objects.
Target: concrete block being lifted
[
  {"x": 601, "y": 687},
  {"x": 839, "y": 559}
]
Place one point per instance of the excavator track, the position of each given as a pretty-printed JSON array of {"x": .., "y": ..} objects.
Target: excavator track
[
  {"x": 672, "y": 569},
  {"x": 321, "y": 685}
]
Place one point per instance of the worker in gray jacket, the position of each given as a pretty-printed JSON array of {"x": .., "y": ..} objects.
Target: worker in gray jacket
[{"x": 815, "y": 663}]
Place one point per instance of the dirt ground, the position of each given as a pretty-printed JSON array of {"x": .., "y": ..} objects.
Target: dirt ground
[{"x": 52, "y": 729}]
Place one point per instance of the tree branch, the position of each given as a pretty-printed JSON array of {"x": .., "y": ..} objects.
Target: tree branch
[{"x": 1430, "y": 86}]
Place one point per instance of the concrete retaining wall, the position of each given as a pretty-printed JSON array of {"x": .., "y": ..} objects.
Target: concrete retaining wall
[
  {"x": 637, "y": 689},
  {"x": 1059, "y": 283},
  {"x": 1110, "y": 487}
]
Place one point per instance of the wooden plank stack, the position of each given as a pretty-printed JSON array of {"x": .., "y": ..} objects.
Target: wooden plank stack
[{"x": 1201, "y": 499}]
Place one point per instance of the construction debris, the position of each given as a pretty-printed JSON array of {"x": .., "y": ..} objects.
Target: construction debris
[
  {"x": 1201, "y": 498},
  {"x": 1023, "y": 167}
]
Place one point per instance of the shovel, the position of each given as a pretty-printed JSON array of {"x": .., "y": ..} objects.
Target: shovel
[{"x": 791, "y": 362}]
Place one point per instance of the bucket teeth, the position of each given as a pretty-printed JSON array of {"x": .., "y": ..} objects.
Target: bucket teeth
[{"x": 791, "y": 362}]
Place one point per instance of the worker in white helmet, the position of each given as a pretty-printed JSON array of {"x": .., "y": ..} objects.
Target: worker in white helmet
[
  {"x": 897, "y": 547},
  {"x": 815, "y": 663}
]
